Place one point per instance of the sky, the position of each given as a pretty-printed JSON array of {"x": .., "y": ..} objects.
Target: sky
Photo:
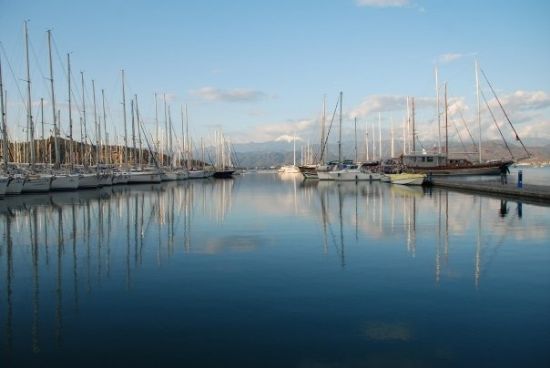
[{"x": 260, "y": 70}]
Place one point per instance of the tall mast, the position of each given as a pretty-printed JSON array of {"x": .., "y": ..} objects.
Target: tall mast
[
  {"x": 413, "y": 121},
  {"x": 108, "y": 157},
  {"x": 392, "y": 151},
  {"x": 138, "y": 126},
  {"x": 340, "y": 132},
  {"x": 55, "y": 130},
  {"x": 438, "y": 113},
  {"x": 124, "y": 118},
  {"x": 97, "y": 129},
  {"x": 294, "y": 150},
  {"x": 446, "y": 125},
  {"x": 133, "y": 132},
  {"x": 71, "y": 159},
  {"x": 323, "y": 122},
  {"x": 478, "y": 108},
  {"x": 84, "y": 137},
  {"x": 43, "y": 136},
  {"x": 367, "y": 139},
  {"x": 5, "y": 142},
  {"x": 170, "y": 148},
  {"x": 156, "y": 124},
  {"x": 355, "y": 128},
  {"x": 30, "y": 123},
  {"x": 380, "y": 135},
  {"x": 165, "y": 140},
  {"x": 406, "y": 146},
  {"x": 188, "y": 144}
]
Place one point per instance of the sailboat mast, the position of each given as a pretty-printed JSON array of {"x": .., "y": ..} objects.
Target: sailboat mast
[
  {"x": 71, "y": 159},
  {"x": 438, "y": 113},
  {"x": 140, "y": 153},
  {"x": 30, "y": 123},
  {"x": 392, "y": 151},
  {"x": 188, "y": 139},
  {"x": 107, "y": 157},
  {"x": 5, "y": 142},
  {"x": 478, "y": 108},
  {"x": 340, "y": 130},
  {"x": 83, "y": 136},
  {"x": 294, "y": 150},
  {"x": 132, "y": 158},
  {"x": 380, "y": 135},
  {"x": 323, "y": 123},
  {"x": 355, "y": 135},
  {"x": 446, "y": 125},
  {"x": 97, "y": 129},
  {"x": 124, "y": 119},
  {"x": 367, "y": 139},
  {"x": 43, "y": 136},
  {"x": 413, "y": 122},
  {"x": 55, "y": 129}
]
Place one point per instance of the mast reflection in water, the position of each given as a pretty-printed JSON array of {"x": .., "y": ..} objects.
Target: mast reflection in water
[{"x": 268, "y": 270}]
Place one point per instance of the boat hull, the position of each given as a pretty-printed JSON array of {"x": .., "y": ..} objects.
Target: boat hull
[
  {"x": 88, "y": 181},
  {"x": 407, "y": 179},
  {"x": 223, "y": 174},
  {"x": 64, "y": 182},
  {"x": 37, "y": 184},
  {"x": 144, "y": 178},
  {"x": 4, "y": 180},
  {"x": 15, "y": 185}
]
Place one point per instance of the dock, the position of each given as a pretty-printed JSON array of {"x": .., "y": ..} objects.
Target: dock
[{"x": 529, "y": 192}]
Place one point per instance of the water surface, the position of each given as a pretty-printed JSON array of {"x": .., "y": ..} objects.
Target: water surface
[{"x": 270, "y": 271}]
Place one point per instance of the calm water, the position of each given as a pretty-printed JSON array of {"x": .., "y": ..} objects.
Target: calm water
[{"x": 269, "y": 271}]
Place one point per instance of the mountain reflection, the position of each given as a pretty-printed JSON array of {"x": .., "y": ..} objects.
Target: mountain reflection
[{"x": 58, "y": 249}]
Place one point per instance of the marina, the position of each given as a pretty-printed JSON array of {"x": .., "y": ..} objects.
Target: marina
[
  {"x": 358, "y": 183},
  {"x": 200, "y": 272}
]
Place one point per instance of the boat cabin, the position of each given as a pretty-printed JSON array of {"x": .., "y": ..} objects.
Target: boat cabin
[{"x": 425, "y": 159}]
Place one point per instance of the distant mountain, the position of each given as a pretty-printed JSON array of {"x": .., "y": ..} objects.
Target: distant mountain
[{"x": 268, "y": 154}]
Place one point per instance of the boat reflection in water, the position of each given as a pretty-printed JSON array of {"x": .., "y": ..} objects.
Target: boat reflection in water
[{"x": 192, "y": 271}]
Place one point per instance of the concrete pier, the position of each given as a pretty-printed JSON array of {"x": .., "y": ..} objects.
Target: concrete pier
[{"x": 538, "y": 193}]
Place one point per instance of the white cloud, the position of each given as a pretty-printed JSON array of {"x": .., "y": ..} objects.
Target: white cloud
[
  {"x": 383, "y": 3},
  {"x": 449, "y": 57},
  {"x": 281, "y": 131},
  {"x": 234, "y": 95},
  {"x": 523, "y": 101},
  {"x": 379, "y": 103}
]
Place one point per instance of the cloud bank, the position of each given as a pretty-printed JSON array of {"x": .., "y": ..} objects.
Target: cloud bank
[
  {"x": 234, "y": 95},
  {"x": 383, "y": 3}
]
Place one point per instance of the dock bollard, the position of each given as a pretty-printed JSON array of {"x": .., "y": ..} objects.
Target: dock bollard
[{"x": 520, "y": 179}]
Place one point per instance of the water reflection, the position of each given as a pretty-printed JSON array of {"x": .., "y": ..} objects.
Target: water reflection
[{"x": 60, "y": 250}]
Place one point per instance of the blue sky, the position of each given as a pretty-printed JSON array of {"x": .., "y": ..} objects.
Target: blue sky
[{"x": 260, "y": 69}]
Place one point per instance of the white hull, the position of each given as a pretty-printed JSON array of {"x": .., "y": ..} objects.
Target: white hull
[
  {"x": 290, "y": 169},
  {"x": 4, "y": 180},
  {"x": 105, "y": 180},
  {"x": 168, "y": 176},
  {"x": 88, "y": 181},
  {"x": 143, "y": 177},
  {"x": 352, "y": 175},
  {"x": 407, "y": 179},
  {"x": 15, "y": 185},
  {"x": 182, "y": 175},
  {"x": 120, "y": 178},
  {"x": 64, "y": 182},
  {"x": 37, "y": 184},
  {"x": 324, "y": 175},
  {"x": 197, "y": 174}
]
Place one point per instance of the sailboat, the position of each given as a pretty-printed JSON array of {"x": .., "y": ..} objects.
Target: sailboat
[
  {"x": 34, "y": 182},
  {"x": 291, "y": 169},
  {"x": 442, "y": 164}
]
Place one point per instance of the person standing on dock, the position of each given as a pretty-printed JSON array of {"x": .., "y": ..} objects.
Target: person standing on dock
[{"x": 504, "y": 171}]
